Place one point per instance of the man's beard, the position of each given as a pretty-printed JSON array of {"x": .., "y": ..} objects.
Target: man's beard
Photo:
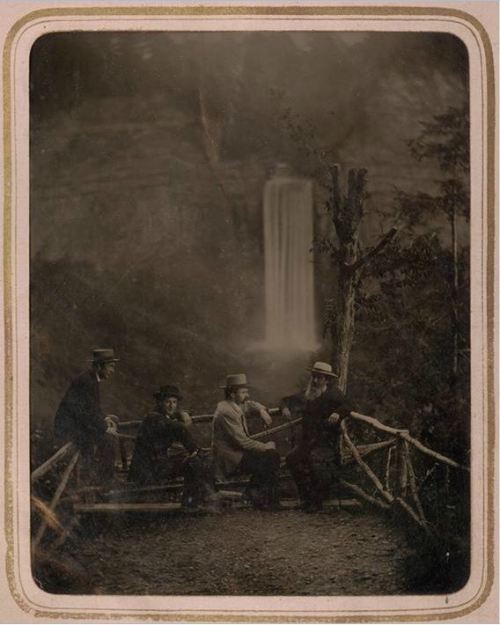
[{"x": 313, "y": 392}]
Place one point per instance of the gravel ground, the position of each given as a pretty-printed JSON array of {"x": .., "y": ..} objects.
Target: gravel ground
[{"x": 245, "y": 552}]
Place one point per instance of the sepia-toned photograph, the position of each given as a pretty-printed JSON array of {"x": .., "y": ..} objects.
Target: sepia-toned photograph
[{"x": 249, "y": 274}]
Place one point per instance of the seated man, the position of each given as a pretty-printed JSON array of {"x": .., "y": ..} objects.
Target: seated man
[
  {"x": 235, "y": 452},
  {"x": 165, "y": 449},
  {"x": 79, "y": 419},
  {"x": 315, "y": 462}
]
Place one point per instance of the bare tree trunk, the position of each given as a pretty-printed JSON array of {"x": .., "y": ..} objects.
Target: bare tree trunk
[
  {"x": 345, "y": 322},
  {"x": 347, "y": 211}
]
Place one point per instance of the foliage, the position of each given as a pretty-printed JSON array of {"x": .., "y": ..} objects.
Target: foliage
[
  {"x": 446, "y": 139},
  {"x": 403, "y": 315},
  {"x": 414, "y": 313},
  {"x": 315, "y": 159}
]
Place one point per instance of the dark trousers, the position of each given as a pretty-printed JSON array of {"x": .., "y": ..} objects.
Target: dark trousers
[
  {"x": 149, "y": 469},
  {"x": 98, "y": 459},
  {"x": 263, "y": 467},
  {"x": 199, "y": 485},
  {"x": 313, "y": 471}
]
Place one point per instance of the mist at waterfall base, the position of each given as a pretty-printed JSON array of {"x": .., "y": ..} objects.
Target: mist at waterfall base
[{"x": 153, "y": 200}]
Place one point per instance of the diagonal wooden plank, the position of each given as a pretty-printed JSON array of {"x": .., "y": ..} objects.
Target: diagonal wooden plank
[
  {"x": 48, "y": 464},
  {"x": 56, "y": 497},
  {"x": 387, "y": 496},
  {"x": 361, "y": 493},
  {"x": 388, "y": 469}
]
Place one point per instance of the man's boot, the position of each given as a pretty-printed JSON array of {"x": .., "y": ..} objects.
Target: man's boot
[
  {"x": 257, "y": 496},
  {"x": 274, "y": 498}
]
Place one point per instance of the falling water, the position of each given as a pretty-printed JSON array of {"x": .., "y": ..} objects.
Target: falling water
[{"x": 288, "y": 236}]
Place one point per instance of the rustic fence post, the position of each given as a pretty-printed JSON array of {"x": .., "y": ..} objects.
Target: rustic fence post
[
  {"x": 447, "y": 482},
  {"x": 413, "y": 487},
  {"x": 402, "y": 467},
  {"x": 123, "y": 453},
  {"x": 56, "y": 497},
  {"x": 378, "y": 484},
  {"x": 388, "y": 470}
]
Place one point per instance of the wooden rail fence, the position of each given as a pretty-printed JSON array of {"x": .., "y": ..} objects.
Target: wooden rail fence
[{"x": 397, "y": 488}]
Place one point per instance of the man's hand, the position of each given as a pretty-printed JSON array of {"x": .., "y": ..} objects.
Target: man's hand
[
  {"x": 286, "y": 413},
  {"x": 271, "y": 445},
  {"x": 185, "y": 418},
  {"x": 112, "y": 424},
  {"x": 334, "y": 418}
]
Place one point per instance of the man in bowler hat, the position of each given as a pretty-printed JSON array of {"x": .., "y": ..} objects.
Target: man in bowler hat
[
  {"x": 80, "y": 419},
  {"x": 315, "y": 462},
  {"x": 163, "y": 430},
  {"x": 235, "y": 452}
]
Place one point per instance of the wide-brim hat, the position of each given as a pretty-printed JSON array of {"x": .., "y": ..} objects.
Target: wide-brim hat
[
  {"x": 169, "y": 390},
  {"x": 323, "y": 368},
  {"x": 101, "y": 356},
  {"x": 236, "y": 380}
]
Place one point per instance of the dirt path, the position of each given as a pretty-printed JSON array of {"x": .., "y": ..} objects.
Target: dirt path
[{"x": 347, "y": 552}]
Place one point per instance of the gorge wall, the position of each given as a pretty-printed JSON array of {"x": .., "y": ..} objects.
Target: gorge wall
[{"x": 149, "y": 155}]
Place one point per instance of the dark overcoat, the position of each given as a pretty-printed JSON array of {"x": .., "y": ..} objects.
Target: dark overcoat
[
  {"x": 316, "y": 431},
  {"x": 157, "y": 433},
  {"x": 79, "y": 418}
]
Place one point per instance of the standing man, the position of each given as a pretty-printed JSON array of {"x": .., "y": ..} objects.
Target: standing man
[
  {"x": 165, "y": 449},
  {"x": 235, "y": 452},
  {"x": 315, "y": 461},
  {"x": 80, "y": 419}
]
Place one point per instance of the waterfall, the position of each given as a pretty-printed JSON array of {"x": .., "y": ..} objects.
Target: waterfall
[{"x": 289, "y": 276}]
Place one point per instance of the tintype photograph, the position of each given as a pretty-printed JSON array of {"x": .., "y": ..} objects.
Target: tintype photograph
[{"x": 250, "y": 313}]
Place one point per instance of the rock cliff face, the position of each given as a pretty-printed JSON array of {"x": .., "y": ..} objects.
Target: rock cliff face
[
  {"x": 149, "y": 153},
  {"x": 138, "y": 243}
]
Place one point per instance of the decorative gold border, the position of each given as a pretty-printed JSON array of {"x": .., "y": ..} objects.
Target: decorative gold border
[{"x": 241, "y": 11}]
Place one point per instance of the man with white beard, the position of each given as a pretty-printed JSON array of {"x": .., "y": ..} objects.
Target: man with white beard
[{"x": 315, "y": 461}]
